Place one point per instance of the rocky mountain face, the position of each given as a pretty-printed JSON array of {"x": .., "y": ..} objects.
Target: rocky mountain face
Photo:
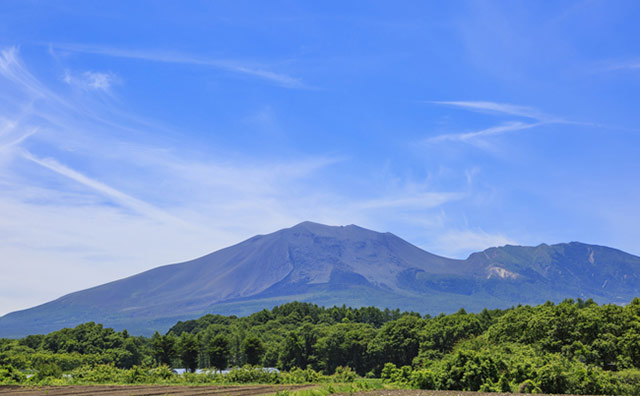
[{"x": 338, "y": 265}]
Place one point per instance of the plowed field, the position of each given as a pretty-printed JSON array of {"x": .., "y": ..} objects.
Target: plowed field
[{"x": 146, "y": 390}]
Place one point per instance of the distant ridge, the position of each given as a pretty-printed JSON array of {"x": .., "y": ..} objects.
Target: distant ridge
[{"x": 331, "y": 265}]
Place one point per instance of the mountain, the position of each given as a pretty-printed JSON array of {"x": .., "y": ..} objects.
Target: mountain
[{"x": 331, "y": 265}]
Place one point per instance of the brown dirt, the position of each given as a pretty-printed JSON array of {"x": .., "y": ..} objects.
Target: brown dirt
[
  {"x": 390, "y": 392},
  {"x": 147, "y": 390}
]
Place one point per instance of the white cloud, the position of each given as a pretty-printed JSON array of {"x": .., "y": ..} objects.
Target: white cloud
[
  {"x": 453, "y": 243},
  {"x": 90, "y": 80},
  {"x": 174, "y": 57},
  {"x": 477, "y": 137},
  {"x": 494, "y": 107},
  {"x": 124, "y": 199},
  {"x": 12, "y": 69},
  {"x": 11, "y": 134},
  {"x": 495, "y": 130},
  {"x": 412, "y": 201}
]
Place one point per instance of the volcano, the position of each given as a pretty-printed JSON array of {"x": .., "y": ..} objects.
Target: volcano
[{"x": 335, "y": 265}]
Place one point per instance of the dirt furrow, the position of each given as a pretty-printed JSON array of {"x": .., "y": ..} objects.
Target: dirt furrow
[{"x": 147, "y": 390}]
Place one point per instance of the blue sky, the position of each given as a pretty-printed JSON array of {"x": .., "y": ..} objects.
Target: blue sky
[{"x": 136, "y": 134}]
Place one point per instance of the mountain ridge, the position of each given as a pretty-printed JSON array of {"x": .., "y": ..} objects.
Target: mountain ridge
[{"x": 339, "y": 265}]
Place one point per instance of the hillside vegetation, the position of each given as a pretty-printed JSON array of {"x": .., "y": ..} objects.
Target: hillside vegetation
[{"x": 573, "y": 347}]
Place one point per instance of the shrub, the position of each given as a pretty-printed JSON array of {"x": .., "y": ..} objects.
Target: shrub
[
  {"x": 554, "y": 377},
  {"x": 423, "y": 379},
  {"x": 344, "y": 374},
  {"x": 387, "y": 370},
  {"x": 100, "y": 374},
  {"x": 249, "y": 374},
  {"x": 300, "y": 376},
  {"x": 629, "y": 381},
  {"x": 47, "y": 371},
  {"x": 136, "y": 374},
  {"x": 528, "y": 386},
  {"x": 162, "y": 372},
  {"x": 10, "y": 375}
]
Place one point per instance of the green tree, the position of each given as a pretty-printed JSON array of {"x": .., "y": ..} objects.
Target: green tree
[
  {"x": 164, "y": 348},
  {"x": 291, "y": 352},
  {"x": 253, "y": 349},
  {"x": 189, "y": 348},
  {"x": 442, "y": 333},
  {"x": 397, "y": 342},
  {"x": 218, "y": 351},
  {"x": 345, "y": 344},
  {"x": 130, "y": 354}
]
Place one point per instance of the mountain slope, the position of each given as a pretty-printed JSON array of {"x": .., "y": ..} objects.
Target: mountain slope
[{"x": 338, "y": 265}]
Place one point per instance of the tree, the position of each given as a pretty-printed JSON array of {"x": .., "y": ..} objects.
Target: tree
[
  {"x": 218, "y": 351},
  {"x": 442, "y": 333},
  {"x": 164, "y": 348},
  {"x": 292, "y": 352},
  {"x": 253, "y": 349},
  {"x": 344, "y": 344},
  {"x": 397, "y": 342},
  {"x": 189, "y": 349}
]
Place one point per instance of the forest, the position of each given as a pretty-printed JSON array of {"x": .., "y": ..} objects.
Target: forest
[{"x": 576, "y": 347}]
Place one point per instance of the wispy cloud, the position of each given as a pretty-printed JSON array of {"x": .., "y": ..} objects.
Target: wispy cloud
[
  {"x": 456, "y": 242},
  {"x": 90, "y": 80},
  {"x": 619, "y": 65},
  {"x": 496, "y": 130},
  {"x": 418, "y": 200},
  {"x": 12, "y": 69},
  {"x": 26, "y": 84},
  {"x": 494, "y": 107},
  {"x": 535, "y": 116},
  {"x": 233, "y": 66},
  {"x": 118, "y": 196},
  {"x": 15, "y": 141}
]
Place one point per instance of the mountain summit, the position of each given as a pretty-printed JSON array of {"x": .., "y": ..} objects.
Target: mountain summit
[{"x": 338, "y": 265}]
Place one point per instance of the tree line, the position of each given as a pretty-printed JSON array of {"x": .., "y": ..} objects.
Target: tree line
[{"x": 574, "y": 346}]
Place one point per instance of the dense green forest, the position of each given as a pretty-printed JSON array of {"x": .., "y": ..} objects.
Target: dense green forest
[{"x": 571, "y": 347}]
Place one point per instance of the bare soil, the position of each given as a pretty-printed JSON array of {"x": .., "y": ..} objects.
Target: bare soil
[{"x": 147, "y": 390}]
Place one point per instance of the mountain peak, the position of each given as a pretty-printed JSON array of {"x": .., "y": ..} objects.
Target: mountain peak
[
  {"x": 311, "y": 225},
  {"x": 347, "y": 232}
]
